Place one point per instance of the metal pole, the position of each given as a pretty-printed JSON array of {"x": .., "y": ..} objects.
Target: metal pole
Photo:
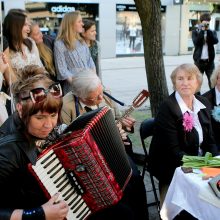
[{"x": 180, "y": 29}]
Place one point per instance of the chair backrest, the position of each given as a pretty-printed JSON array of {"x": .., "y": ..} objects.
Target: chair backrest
[{"x": 146, "y": 128}]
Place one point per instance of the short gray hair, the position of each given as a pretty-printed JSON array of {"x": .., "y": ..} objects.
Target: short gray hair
[
  {"x": 84, "y": 82},
  {"x": 190, "y": 68},
  {"x": 214, "y": 76}
]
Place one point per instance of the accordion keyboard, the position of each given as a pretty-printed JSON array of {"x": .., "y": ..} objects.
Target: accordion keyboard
[{"x": 55, "y": 180}]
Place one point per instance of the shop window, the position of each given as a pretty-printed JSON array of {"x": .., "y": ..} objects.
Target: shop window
[{"x": 49, "y": 15}]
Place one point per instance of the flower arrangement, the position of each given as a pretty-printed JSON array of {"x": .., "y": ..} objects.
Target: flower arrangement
[
  {"x": 216, "y": 113},
  {"x": 188, "y": 122}
]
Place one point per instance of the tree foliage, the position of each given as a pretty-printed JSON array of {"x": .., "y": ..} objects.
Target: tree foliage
[{"x": 150, "y": 16}]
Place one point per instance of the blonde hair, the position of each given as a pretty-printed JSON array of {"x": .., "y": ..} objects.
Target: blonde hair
[
  {"x": 45, "y": 52},
  {"x": 189, "y": 68},
  {"x": 47, "y": 56},
  {"x": 66, "y": 32},
  {"x": 214, "y": 76}
]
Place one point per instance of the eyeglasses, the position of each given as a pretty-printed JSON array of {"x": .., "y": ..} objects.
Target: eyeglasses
[
  {"x": 39, "y": 94},
  {"x": 98, "y": 97}
]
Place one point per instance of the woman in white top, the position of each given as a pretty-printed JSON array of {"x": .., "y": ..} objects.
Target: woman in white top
[{"x": 22, "y": 50}]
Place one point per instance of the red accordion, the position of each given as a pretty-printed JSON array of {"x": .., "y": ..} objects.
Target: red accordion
[{"x": 88, "y": 166}]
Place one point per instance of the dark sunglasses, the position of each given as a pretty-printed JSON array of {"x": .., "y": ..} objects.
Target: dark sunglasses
[{"x": 39, "y": 94}]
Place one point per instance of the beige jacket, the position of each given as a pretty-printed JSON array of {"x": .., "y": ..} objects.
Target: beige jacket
[{"x": 68, "y": 112}]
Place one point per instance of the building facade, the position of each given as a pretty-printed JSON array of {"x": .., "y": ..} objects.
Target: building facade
[{"x": 118, "y": 24}]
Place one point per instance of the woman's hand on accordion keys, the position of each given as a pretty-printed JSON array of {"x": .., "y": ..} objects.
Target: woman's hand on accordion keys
[{"x": 54, "y": 209}]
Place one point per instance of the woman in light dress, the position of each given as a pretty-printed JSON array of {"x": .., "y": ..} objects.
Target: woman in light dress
[{"x": 22, "y": 49}]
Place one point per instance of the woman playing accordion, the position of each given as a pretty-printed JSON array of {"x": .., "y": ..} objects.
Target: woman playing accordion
[{"x": 38, "y": 104}]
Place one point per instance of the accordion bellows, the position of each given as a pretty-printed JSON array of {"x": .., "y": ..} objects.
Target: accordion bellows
[{"x": 92, "y": 158}]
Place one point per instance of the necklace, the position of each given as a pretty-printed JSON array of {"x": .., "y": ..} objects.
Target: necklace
[
  {"x": 23, "y": 54},
  {"x": 190, "y": 107}
]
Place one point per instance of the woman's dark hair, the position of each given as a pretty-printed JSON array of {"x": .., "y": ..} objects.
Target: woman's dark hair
[
  {"x": 27, "y": 80},
  {"x": 88, "y": 24},
  {"x": 12, "y": 30},
  {"x": 12, "y": 10}
]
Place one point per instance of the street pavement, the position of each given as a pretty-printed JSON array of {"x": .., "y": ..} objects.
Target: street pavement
[{"x": 126, "y": 76}]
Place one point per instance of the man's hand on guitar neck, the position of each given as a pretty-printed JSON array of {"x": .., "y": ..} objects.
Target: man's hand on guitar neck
[{"x": 128, "y": 123}]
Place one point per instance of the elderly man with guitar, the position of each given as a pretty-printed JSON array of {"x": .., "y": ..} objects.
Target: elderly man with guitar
[{"x": 87, "y": 94}]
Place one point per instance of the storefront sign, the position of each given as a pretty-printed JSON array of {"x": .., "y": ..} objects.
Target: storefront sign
[
  {"x": 201, "y": 7},
  {"x": 133, "y": 8},
  {"x": 62, "y": 9},
  {"x": 89, "y": 10}
]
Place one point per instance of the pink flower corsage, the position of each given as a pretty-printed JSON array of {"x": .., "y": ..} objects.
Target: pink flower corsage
[{"x": 188, "y": 122}]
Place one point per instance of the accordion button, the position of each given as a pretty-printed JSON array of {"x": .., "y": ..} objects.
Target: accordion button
[{"x": 80, "y": 168}]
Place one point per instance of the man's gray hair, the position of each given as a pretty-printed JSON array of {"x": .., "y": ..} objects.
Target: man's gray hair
[{"x": 84, "y": 82}]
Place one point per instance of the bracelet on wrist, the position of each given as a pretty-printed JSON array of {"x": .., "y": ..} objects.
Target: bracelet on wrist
[{"x": 33, "y": 214}]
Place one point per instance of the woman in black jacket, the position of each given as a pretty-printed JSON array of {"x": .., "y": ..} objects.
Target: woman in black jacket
[
  {"x": 37, "y": 113},
  {"x": 182, "y": 126},
  {"x": 213, "y": 95},
  {"x": 38, "y": 104}
]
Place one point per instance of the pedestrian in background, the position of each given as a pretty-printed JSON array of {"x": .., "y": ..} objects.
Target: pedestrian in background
[
  {"x": 204, "y": 40},
  {"x": 132, "y": 36}
]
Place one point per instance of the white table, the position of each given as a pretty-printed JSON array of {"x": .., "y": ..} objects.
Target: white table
[{"x": 189, "y": 192}]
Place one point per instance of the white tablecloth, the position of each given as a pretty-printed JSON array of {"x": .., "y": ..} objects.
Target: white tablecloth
[{"x": 189, "y": 192}]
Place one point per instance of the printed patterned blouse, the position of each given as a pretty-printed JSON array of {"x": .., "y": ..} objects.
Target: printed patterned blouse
[{"x": 68, "y": 62}]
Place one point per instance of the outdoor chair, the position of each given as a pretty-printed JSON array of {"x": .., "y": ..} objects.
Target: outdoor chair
[{"x": 146, "y": 131}]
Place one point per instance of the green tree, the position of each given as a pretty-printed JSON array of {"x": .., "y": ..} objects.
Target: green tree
[{"x": 150, "y": 16}]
